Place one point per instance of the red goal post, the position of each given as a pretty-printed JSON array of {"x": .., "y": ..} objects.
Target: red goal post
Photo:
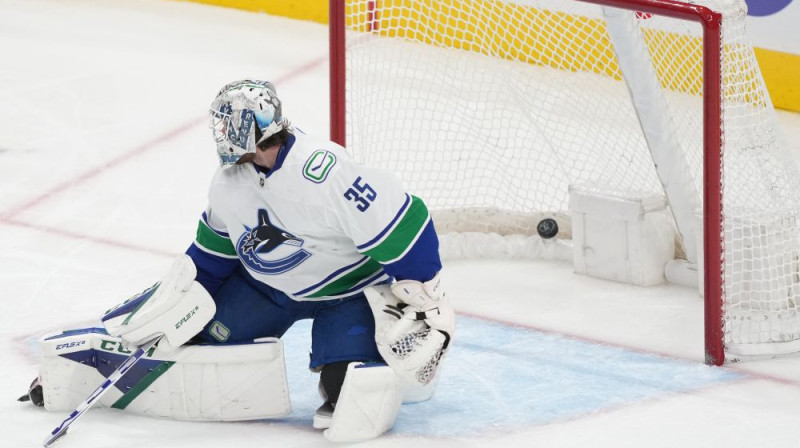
[{"x": 380, "y": 81}]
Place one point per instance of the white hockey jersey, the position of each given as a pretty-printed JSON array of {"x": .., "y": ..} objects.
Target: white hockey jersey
[{"x": 316, "y": 226}]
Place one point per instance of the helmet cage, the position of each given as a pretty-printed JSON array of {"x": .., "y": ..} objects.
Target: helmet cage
[{"x": 235, "y": 110}]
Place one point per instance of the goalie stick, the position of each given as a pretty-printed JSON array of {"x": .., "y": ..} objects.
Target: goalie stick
[{"x": 97, "y": 393}]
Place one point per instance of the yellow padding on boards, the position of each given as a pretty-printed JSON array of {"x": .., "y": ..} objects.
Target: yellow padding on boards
[
  {"x": 516, "y": 32},
  {"x": 313, "y": 10},
  {"x": 508, "y": 31},
  {"x": 521, "y": 33},
  {"x": 782, "y": 74},
  {"x": 524, "y": 34}
]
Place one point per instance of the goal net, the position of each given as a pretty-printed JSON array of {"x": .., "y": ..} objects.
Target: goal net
[{"x": 492, "y": 110}]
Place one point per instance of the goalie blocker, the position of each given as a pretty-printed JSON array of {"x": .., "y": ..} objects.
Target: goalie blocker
[{"x": 177, "y": 307}]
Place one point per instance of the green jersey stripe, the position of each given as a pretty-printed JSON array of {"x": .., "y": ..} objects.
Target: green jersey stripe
[
  {"x": 403, "y": 235},
  {"x": 348, "y": 280},
  {"x": 210, "y": 240},
  {"x": 143, "y": 384}
]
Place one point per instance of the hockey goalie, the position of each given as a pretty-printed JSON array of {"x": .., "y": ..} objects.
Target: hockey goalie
[{"x": 294, "y": 229}]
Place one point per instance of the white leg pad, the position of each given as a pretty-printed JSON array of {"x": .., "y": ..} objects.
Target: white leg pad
[
  {"x": 199, "y": 382},
  {"x": 368, "y": 403},
  {"x": 417, "y": 393}
]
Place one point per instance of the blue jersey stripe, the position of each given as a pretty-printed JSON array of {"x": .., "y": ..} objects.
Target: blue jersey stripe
[
  {"x": 366, "y": 282},
  {"x": 421, "y": 262},
  {"x": 388, "y": 228},
  {"x": 220, "y": 233},
  {"x": 329, "y": 278}
]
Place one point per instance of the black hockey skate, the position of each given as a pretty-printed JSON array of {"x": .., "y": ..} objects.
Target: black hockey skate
[
  {"x": 324, "y": 415},
  {"x": 330, "y": 385},
  {"x": 34, "y": 394}
]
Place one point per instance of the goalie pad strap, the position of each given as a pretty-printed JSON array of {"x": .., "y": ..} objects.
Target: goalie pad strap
[{"x": 200, "y": 383}]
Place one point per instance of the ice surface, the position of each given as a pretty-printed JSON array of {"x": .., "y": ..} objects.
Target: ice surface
[{"x": 104, "y": 164}]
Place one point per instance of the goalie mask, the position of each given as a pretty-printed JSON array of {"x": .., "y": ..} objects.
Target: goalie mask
[{"x": 243, "y": 115}]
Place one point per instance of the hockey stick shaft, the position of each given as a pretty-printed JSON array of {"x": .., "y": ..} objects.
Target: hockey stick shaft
[{"x": 97, "y": 393}]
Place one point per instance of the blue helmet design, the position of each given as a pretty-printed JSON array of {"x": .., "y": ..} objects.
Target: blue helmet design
[{"x": 244, "y": 114}]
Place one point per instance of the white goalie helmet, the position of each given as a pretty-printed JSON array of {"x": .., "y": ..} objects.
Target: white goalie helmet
[{"x": 243, "y": 115}]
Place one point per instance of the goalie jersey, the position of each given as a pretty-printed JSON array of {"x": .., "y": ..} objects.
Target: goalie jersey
[{"x": 316, "y": 226}]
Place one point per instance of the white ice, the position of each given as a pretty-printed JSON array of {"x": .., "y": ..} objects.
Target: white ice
[{"x": 104, "y": 164}]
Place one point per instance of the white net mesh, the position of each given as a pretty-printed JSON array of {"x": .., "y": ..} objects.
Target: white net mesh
[{"x": 490, "y": 110}]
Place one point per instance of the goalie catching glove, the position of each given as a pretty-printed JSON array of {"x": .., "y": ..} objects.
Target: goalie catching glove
[
  {"x": 414, "y": 325},
  {"x": 176, "y": 308}
]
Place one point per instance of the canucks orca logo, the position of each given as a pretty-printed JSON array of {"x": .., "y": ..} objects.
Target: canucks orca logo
[{"x": 268, "y": 249}]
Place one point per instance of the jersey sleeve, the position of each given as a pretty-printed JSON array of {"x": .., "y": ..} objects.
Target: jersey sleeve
[
  {"x": 386, "y": 223},
  {"x": 212, "y": 252}
]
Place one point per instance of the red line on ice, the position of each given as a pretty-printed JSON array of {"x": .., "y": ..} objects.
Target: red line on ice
[{"x": 8, "y": 216}]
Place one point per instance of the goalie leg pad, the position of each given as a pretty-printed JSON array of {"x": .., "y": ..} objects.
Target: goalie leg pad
[
  {"x": 368, "y": 403},
  {"x": 199, "y": 382}
]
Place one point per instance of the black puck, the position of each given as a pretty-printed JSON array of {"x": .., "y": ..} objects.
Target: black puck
[{"x": 547, "y": 228}]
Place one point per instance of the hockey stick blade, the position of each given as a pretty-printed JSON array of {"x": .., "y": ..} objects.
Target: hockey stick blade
[{"x": 112, "y": 379}]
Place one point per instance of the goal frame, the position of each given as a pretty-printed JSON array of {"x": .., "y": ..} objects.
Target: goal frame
[{"x": 713, "y": 138}]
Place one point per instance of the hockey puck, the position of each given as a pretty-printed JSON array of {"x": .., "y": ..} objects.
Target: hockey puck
[{"x": 547, "y": 228}]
